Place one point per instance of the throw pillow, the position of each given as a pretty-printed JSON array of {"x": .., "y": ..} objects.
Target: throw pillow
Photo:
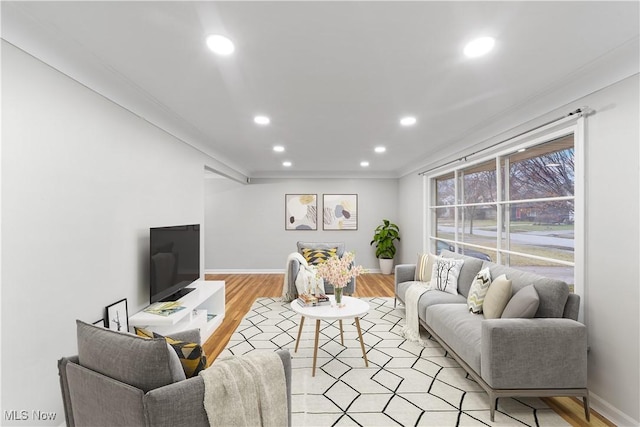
[
  {"x": 191, "y": 355},
  {"x": 478, "y": 291},
  {"x": 318, "y": 256},
  {"x": 444, "y": 274},
  {"x": 497, "y": 297},
  {"x": 423, "y": 267},
  {"x": 523, "y": 304},
  {"x": 175, "y": 365}
]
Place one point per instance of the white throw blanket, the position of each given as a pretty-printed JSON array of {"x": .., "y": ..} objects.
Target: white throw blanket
[
  {"x": 248, "y": 390},
  {"x": 305, "y": 279},
  {"x": 411, "y": 330}
]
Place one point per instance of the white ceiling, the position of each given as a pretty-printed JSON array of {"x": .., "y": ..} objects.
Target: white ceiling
[{"x": 334, "y": 77}]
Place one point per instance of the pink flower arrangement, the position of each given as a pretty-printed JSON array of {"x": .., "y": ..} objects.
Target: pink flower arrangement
[{"x": 339, "y": 271}]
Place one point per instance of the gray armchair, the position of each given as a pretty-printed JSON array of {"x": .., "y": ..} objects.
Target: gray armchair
[
  {"x": 294, "y": 266},
  {"x": 124, "y": 380}
]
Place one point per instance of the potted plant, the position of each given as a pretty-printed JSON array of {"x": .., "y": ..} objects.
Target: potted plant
[{"x": 384, "y": 236}]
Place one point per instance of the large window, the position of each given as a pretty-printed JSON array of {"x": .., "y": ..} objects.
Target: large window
[{"x": 515, "y": 208}]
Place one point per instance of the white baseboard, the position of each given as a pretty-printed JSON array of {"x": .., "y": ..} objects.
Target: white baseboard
[
  {"x": 610, "y": 412},
  {"x": 244, "y": 271},
  {"x": 260, "y": 271}
]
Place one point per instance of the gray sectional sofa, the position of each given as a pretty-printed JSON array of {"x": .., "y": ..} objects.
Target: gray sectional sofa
[{"x": 508, "y": 357}]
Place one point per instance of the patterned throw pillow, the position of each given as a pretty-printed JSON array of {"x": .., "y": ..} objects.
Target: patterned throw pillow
[
  {"x": 478, "y": 290},
  {"x": 190, "y": 354},
  {"x": 141, "y": 332},
  {"x": 423, "y": 267},
  {"x": 318, "y": 256},
  {"x": 444, "y": 275}
]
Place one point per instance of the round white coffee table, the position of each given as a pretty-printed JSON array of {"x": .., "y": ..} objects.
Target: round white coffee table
[{"x": 353, "y": 307}]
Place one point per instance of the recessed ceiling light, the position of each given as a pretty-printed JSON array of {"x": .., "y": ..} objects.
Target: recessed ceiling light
[
  {"x": 408, "y": 121},
  {"x": 286, "y": 164},
  {"x": 380, "y": 149},
  {"x": 522, "y": 150},
  {"x": 262, "y": 120},
  {"x": 364, "y": 164},
  {"x": 479, "y": 47},
  {"x": 220, "y": 44},
  {"x": 278, "y": 148}
]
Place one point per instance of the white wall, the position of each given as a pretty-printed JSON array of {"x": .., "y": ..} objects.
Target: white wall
[
  {"x": 245, "y": 224},
  {"x": 612, "y": 285},
  {"x": 82, "y": 182},
  {"x": 410, "y": 208}
]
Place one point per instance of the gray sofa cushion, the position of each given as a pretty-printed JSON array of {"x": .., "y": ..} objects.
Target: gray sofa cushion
[
  {"x": 461, "y": 330},
  {"x": 140, "y": 362},
  {"x": 468, "y": 273},
  {"x": 553, "y": 293},
  {"x": 434, "y": 297}
]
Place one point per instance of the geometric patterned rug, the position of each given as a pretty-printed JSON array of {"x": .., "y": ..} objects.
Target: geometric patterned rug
[{"x": 406, "y": 384}]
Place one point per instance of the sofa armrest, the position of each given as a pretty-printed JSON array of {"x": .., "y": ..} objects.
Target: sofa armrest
[
  {"x": 177, "y": 404},
  {"x": 181, "y": 403},
  {"x": 404, "y": 273},
  {"x": 191, "y": 335},
  {"x": 534, "y": 353}
]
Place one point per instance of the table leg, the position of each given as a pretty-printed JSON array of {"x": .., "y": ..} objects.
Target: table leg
[
  {"x": 315, "y": 347},
  {"x": 364, "y": 353},
  {"x": 341, "y": 336},
  {"x": 299, "y": 333}
]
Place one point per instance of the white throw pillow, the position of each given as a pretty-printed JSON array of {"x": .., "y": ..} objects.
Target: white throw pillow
[
  {"x": 478, "y": 290},
  {"x": 444, "y": 274},
  {"x": 497, "y": 297}
]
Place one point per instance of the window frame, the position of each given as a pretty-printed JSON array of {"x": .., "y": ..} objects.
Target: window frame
[{"x": 558, "y": 129}]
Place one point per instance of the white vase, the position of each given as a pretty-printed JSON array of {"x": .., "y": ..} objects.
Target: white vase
[{"x": 386, "y": 265}]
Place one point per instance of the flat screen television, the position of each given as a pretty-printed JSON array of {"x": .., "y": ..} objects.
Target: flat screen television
[{"x": 174, "y": 261}]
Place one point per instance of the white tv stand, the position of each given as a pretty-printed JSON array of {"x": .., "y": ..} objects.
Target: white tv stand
[{"x": 204, "y": 310}]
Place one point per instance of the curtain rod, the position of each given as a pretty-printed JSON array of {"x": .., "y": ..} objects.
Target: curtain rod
[{"x": 578, "y": 112}]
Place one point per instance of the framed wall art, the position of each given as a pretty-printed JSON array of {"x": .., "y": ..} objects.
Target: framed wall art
[
  {"x": 340, "y": 211},
  {"x": 301, "y": 211},
  {"x": 117, "y": 317}
]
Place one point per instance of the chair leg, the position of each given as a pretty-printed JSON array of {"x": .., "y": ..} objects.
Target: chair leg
[
  {"x": 395, "y": 300},
  {"x": 493, "y": 405},
  {"x": 587, "y": 410}
]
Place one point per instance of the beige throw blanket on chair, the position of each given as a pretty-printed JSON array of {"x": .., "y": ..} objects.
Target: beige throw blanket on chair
[
  {"x": 305, "y": 279},
  {"x": 411, "y": 330},
  {"x": 248, "y": 390}
]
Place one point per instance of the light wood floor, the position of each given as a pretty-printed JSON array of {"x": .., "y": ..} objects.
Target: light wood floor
[{"x": 243, "y": 289}]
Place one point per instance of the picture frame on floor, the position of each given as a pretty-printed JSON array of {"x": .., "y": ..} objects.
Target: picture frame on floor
[{"x": 117, "y": 316}]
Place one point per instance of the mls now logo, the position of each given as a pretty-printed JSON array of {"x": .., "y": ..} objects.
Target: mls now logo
[{"x": 24, "y": 415}]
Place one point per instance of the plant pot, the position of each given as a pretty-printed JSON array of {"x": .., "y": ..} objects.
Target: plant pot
[{"x": 386, "y": 265}]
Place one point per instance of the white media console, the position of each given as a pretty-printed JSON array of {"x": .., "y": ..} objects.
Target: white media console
[{"x": 204, "y": 311}]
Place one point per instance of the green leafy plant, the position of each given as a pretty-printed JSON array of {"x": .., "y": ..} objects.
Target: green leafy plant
[{"x": 384, "y": 236}]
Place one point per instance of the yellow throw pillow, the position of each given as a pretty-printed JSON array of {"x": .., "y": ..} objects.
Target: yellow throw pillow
[
  {"x": 191, "y": 355},
  {"x": 497, "y": 297},
  {"x": 318, "y": 256},
  {"x": 141, "y": 332}
]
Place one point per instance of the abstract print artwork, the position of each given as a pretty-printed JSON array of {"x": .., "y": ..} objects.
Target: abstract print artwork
[
  {"x": 301, "y": 212},
  {"x": 340, "y": 212}
]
